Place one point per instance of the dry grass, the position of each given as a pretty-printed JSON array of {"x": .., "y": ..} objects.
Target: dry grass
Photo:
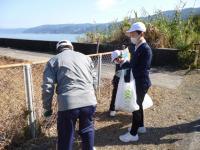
[
  {"x": 8, "y": 60},
  {"x": 12, "y": 105},
  {"x": 168, "y": 122}
]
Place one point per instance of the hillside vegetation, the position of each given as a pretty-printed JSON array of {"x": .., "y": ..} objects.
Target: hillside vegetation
[{"x": 162, "y": 32}]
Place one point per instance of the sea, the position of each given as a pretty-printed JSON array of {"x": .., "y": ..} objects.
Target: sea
[{"x": 43, "y": 37}]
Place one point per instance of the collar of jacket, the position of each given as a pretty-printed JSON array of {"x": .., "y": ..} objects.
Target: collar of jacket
[
  {"x": 63, "y": 49},
  {"x": 140, "y": 43},
  {"x": 66, "y": 49}
]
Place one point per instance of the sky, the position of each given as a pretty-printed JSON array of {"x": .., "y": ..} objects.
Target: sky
[{"x": 31, "y": 13}]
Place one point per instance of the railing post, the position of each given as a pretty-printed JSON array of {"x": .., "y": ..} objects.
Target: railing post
[
  {"x": 29, "y": 99},
  {"x": 99, "y": 73}
]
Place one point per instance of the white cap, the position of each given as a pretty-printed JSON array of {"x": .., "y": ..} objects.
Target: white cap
[
  {"x": 138, "y": 26},
  {"x": 64, "y": 43},
  {"x": 115, "y": 54}
]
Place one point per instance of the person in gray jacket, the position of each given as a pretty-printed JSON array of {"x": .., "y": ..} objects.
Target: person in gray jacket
[{"x": 73, "y": 75}]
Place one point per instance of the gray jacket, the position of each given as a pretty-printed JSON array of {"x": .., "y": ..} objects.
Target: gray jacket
[{"x": 74, "y": 75}]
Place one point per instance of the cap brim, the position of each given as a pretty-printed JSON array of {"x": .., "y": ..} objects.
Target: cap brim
[{"x": 130, "y": 31}]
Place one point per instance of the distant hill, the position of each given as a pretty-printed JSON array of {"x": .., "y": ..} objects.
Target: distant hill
[
  {"x": 86, "y": 27},
  {"x": 67, "y": 28},
  {"x": 185, "y": 13}
]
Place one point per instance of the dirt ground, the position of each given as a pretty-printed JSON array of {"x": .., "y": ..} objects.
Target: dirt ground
[{"x": 172, "y": 122}]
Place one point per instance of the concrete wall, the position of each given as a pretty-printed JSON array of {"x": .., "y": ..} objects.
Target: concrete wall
[
  {"x": 50, "y": 46},
  {"x": 165, "y": 57},
  {"x": 161, "y": 57}
]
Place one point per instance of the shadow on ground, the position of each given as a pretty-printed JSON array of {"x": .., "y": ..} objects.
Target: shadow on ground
[{"x": 108, "y": 136}]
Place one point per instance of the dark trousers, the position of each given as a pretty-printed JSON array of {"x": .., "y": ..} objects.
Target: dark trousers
[
  {"x": 138, "y": 116},
  {"x": 114, "y": 93},
  {"x": 66, "y": 123}
]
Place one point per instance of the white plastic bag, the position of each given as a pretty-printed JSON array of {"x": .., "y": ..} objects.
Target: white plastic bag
[
  {"x": 126, "y": 95},
  {"x": 147, "y": 103}
]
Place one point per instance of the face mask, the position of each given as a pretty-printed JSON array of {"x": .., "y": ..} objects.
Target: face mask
[{"x": 134, "y": 40}]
